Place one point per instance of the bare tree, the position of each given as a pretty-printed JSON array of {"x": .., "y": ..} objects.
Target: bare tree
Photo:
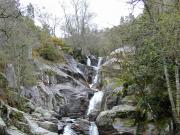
[
  {"x": 77, "y": 24},
  {"x": 48, "y": 21}
]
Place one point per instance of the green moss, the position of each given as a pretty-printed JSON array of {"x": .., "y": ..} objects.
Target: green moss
[
  {"x": 125, "y": 122},
  {"x": 126, "y": 114},
  {"x": 16, "y": 116},
  {"x": 129, "y": 122}
]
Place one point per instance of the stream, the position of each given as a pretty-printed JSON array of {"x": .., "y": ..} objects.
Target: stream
[{"x": 95, "y": 101}]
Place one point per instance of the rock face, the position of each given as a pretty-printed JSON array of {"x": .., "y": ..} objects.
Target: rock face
[
  {"x": 118, "y": 113},
  {"x": 62, "y": 88},
  {"x": 62, "y": 91},
  {"x": 120, "y": 120},
  {"x": 66, "y": 97},
  {"x": 11, "y": 76}
]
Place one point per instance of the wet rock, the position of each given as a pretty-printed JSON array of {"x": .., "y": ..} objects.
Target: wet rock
[
  {"x": 94, "y": 60},
  {"x": 88, "y": 72},
  {"x": 81, "y": 126}
]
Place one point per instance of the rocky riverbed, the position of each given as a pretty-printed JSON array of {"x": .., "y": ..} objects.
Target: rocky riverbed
[{"x": 69, "y": 99}]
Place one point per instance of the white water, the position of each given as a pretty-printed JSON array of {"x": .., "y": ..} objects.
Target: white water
[
  {"x": 88, "y": 61},
  {"x": 69, "y": 131},
  {"x": 93, "y": 129},
  {"x": 95, "y": 102},
  {"x": 96, "y": 78}
]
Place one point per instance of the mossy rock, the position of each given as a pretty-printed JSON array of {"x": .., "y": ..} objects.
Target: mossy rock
[
  {"x": 124, "y": 126},
  {"x": 126, "y": 122},
  {"x": 23, "y": 127},
  {"x": 16, "y": 116},
  {"x": 126, "y": 114}
]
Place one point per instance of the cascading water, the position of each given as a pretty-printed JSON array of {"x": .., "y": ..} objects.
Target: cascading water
[
  {"x": 95, "y": 102},
  {"x": 69, "y": 131},
  {"x": 88, "y": 61},
  {"x": 93, "y": 129},
  {"x": 96, "y": 77}
]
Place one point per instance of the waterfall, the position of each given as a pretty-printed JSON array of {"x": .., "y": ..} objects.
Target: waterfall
[
  {"x": 69, "y": 131},
  {"x": 96, "y": 78},
  {"x": 88, "y": 61},
  {"x": 93, "y": 129},
  {"x": 95, "y": 102}
]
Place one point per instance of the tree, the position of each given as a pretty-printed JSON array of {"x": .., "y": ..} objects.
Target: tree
[
  {"x": 8, "y": 13},
  {"x": 151, "y": 70},
  {"x": 77, "y": 24},
  {"x": 30, "y": 11},
  {"x": 49, "y": 22}
]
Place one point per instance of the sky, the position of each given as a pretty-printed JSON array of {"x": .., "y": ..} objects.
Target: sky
[{"x": 107, "y": 12}]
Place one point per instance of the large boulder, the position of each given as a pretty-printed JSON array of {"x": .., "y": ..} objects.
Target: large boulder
[
  {"x": 82, "y": 126},
  {"x": 124, "y": 126},
  {"x": 119, "y": 119},
  {"x": 76, "y": 101},
  {"x": 107, "y": 117}
]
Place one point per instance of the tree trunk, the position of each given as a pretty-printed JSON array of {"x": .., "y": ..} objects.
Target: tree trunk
[{"x": 170, "y": 92}]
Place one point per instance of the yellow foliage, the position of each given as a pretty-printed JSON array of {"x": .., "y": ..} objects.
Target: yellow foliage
[{"x": 57, "y": 41}]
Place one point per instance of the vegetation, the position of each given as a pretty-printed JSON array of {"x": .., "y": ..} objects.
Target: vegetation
[
  {"x": 151, "y": 68},
  {"x": 20, "y": 38}
]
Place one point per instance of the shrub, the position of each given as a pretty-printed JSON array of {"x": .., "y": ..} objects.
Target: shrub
[
  {"x": 51, "y": 53},
  {"x": 59, "y": 42}
]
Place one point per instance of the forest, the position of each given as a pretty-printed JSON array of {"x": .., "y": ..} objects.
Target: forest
[{"x": 123, "y": 80}]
